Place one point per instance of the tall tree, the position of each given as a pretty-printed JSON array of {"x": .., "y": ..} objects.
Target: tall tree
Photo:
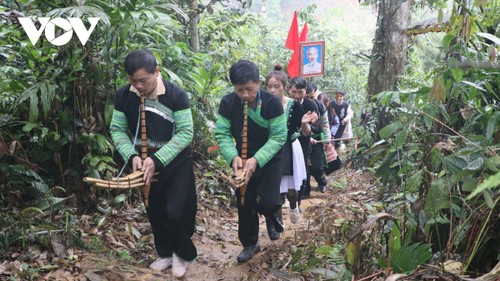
[
  {"x": 389, "y": 48},
  {"x": 194, "y": 16}
]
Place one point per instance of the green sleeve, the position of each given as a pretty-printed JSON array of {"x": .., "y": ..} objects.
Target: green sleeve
[
  {"x": 223, "y": 137},
  {"x": 325, "y": 126},
  {"x": 183, "y": 135},
  {"x": 277, "y": 137},
  {"x": 118, "y": 128}
]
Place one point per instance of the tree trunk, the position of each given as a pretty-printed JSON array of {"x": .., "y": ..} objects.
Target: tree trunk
[
  {"x": 194, "y": 37},
  {"x": 389, "y": 48}
]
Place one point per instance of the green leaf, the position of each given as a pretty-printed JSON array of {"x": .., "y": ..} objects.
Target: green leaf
[
  {"x": 409, "y": 257},
  {"x": 488, "y": 199},
  {"x": 119, "y": 199},
  {"x": 324, "y": 250},
  {"x": 350, "y": 253},
  {"x": 489, "y": 183},
  {"x": 394, "y": 242},
  {"x": 453, "y": 163},
  {"x": 401, "y": 138},
  {"x": 31, "y": 212},
  {"x": 325, "y": 274},
  {"x": 490, "y": 127},
  {"x": 437, "y": 199},
  {"x": 457, "y": 74},
  {"x": 313, "y": 262},
  {"x": 490, "y": 37},
  {"x": 475, "y": 165},
  {"x": 296, "y": 256},
  {"x": 492, "y": 163},
  {"x": 390, "y": 129},
  {"x": 52, "y": 202},
  {"x": 29, "y": 126},
  {"x": 469, "y": 185}
]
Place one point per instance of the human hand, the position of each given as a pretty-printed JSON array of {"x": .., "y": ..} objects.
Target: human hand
[
  {"x": 315, "y": 118},
  {"x": 309, "y": 117},
  {"x": 313, "y": 141},
  {"x": 148, "y": 167},
  {"x": 250, "y": 167},
  {"x": 237, "y": 164},
  {"x": 136, "y": 163},
  {"x": 344, "y": 122},
  {"x": 325, "y": 146}
]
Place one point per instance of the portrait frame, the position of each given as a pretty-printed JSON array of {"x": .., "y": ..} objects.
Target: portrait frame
[{"x": 308, "y": 69}]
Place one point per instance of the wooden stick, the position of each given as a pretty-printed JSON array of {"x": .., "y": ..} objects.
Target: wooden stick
[
  {"x": 144, "y": 148},
  {"x": 332, "y": 140}
]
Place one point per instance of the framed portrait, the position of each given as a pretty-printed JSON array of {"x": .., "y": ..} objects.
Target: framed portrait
[{"x": 312, "y": 58}]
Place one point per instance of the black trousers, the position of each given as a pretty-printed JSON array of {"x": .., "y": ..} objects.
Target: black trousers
[
  {"x": 315, "y": 169},
  {"x": 172, "y": 208},
  {"x": 262, "y": 196}
]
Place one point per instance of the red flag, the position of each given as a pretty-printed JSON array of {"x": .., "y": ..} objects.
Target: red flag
[
  {"x": 304, "y": 34},
  {"x": 292, "y": 41}
]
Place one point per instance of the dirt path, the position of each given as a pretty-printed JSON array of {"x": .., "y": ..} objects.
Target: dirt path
[
  {"x": 128, "y": 257},
  {"x": 218, "y": 246}
]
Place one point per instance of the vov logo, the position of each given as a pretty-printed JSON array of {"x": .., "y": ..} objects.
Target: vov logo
[{"x": 49, "y": 26}]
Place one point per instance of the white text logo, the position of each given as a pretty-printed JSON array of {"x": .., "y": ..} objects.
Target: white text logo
[{"x": 49, "y": 25}]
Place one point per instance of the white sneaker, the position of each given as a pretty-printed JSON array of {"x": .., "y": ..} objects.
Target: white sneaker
[
  {"x": 161, "y": 264},
  {"x": 294, "y": 215},
  {"x": 179, "y": 266}
]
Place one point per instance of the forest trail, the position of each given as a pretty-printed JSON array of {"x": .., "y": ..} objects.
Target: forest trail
[{"x": 217, "y": 240}]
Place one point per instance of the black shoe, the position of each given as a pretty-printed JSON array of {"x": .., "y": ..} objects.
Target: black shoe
[
  {"x": 322, "y": 188},
  {"x": 277, "y": 224},
  {"x": 248, "y": 252},
  {"x": 273, "y": 234}
]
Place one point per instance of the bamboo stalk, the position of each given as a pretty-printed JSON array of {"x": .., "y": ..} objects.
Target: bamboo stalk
[
  {"x": 134, "y": 175},
  {"x": 124, "y": 185},
  {"x": 129, "y": 181}
]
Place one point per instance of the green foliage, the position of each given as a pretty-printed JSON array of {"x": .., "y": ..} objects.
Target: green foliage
[
  {"x": 441, "y": 144},
  {"x": 407, "y": 258}
]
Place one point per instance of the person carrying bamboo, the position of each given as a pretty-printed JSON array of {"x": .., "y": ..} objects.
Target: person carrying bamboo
[
  {"x": 169, "y": 131},
  {"x": 265, "y": 132}
]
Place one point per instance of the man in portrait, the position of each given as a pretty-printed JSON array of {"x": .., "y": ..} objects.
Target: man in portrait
[{"x": 314, "y": 66}]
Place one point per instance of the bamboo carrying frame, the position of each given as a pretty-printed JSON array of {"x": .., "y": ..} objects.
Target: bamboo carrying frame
[{"x": 135, "y": 179}]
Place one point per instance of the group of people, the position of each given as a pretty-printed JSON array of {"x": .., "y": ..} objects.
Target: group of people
[{"x": 288, "y": 128}]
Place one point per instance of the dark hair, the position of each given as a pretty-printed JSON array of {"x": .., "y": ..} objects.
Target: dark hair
[
  {"x": 311, "y": 87},
  {"x": 324, "y": 98},
  {"x": 340, "y": 92},
  {"x": 299, "y": 82},
  {"x": 140, "y": 59},
  {"x": 277, "y": 74},
  {"x": 243, "y": 71}
]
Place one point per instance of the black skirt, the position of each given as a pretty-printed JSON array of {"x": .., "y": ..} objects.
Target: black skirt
[{"x": 287, "y": 159}]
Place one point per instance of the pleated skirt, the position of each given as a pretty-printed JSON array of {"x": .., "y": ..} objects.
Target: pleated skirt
[{"x": 299, "y": 170}]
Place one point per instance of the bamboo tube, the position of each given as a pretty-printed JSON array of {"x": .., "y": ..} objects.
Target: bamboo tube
[
  {"x": 244, "y": 151},
  {"x": 144, "y": 148}
]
